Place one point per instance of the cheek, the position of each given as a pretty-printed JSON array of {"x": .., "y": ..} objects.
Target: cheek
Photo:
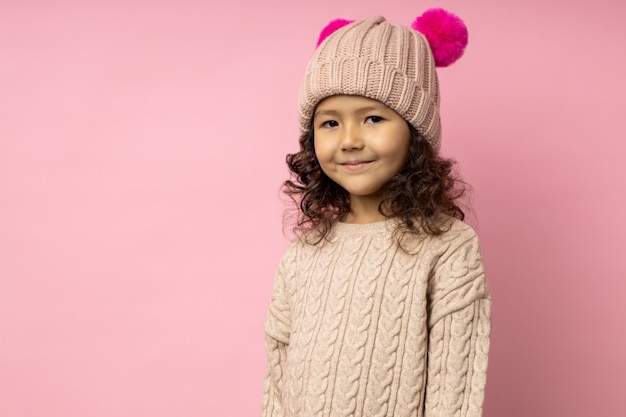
[
  {"x": 405, "y": 154},
  {"x": 321, "y": 150},
  {"x": 404, "y": 144},
  {"x": 398, "y": 156},
  {"x": 316, "y": 150}
]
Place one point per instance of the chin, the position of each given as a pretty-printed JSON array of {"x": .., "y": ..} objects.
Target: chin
[{"x": 364, "y": 193}]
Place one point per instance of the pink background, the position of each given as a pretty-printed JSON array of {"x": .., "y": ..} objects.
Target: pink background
[{"x": 141, "y": 150}]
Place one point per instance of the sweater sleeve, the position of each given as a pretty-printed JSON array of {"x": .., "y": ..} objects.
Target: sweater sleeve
[
  {"x": 459, "y": 323},
  {"x": 277, "y": 331}
]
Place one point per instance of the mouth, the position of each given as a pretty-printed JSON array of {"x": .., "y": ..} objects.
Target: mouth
[{"x": 355, "y": 165}]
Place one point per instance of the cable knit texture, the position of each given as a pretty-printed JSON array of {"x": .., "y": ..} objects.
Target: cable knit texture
[{"x": 358, "y": 326}]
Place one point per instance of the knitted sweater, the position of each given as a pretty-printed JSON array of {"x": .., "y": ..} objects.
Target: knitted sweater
[{"x": 358, "y": 326}]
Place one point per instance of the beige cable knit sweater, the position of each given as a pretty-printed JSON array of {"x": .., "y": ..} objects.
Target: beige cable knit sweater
[{"x": 359, "y": 327}]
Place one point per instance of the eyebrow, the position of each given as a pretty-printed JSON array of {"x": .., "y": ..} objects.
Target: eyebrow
[
  {"x": 324, "y": 112},
  {"x": 360, "y": 110}
]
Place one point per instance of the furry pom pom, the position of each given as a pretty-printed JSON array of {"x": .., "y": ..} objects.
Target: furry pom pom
[
  {"x": 446, "y": 34},
  {"x": 332, "y": 27}
]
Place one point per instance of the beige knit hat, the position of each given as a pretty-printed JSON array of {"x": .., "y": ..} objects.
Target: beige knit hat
[{"x": 373, "y": 58}]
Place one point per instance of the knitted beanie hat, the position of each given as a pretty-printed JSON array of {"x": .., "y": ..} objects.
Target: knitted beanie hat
[{"x": 390, "y": 63}]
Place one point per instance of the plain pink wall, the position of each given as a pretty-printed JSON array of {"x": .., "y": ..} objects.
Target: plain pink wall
[{"x": 141, "y": 150}]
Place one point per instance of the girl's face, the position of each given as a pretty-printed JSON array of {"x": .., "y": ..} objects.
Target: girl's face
[{"x": 360, "y": 143}]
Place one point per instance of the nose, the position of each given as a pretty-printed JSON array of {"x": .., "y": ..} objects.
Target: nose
[{"x": 351, "y": 137}]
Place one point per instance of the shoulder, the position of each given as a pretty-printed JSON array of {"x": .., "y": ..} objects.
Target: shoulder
[
  {"x": 298, "y": 247},
  {"x": 291, "y": 252},
  {"x": 455, "y": 235},
  {"x": 458, "y": 276},
  {"x": 456, "y": 255},
  {"x": 457, "y": 230}
]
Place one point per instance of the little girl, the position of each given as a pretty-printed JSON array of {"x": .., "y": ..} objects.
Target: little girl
[{"x": 380, "y": 306}]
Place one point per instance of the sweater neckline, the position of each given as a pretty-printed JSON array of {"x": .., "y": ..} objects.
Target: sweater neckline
[{"x": 352, "y": 229}]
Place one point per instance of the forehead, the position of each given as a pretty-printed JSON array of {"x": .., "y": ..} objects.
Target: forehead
[{"x": 340, "y": 103}]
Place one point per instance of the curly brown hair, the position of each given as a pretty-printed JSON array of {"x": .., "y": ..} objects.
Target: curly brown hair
[{"x": 422, "y": 195}]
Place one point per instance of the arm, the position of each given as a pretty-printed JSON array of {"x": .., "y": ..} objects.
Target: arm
[
  {"x": 277, "y": 331},
  {"x": 273, "y": 384},
  {"x": 459, "y": 332}
]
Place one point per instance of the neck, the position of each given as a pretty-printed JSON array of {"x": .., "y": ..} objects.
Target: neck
[{"x": 364, "y": 209}]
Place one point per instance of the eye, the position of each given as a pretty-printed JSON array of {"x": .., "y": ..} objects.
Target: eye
[
  {"x": 330, "y": 123},
  {"x": 373, "y": 119}
]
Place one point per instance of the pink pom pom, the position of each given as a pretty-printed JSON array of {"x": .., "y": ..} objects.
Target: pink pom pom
[
  {"x": 446, "y": 34},
  {"x": 332, "y": 27}
]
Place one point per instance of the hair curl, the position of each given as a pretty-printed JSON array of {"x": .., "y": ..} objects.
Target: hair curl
[{"x": 422, "y": 195}]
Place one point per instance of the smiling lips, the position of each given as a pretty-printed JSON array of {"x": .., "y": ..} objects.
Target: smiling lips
[{"x": 355, "y": 165}]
